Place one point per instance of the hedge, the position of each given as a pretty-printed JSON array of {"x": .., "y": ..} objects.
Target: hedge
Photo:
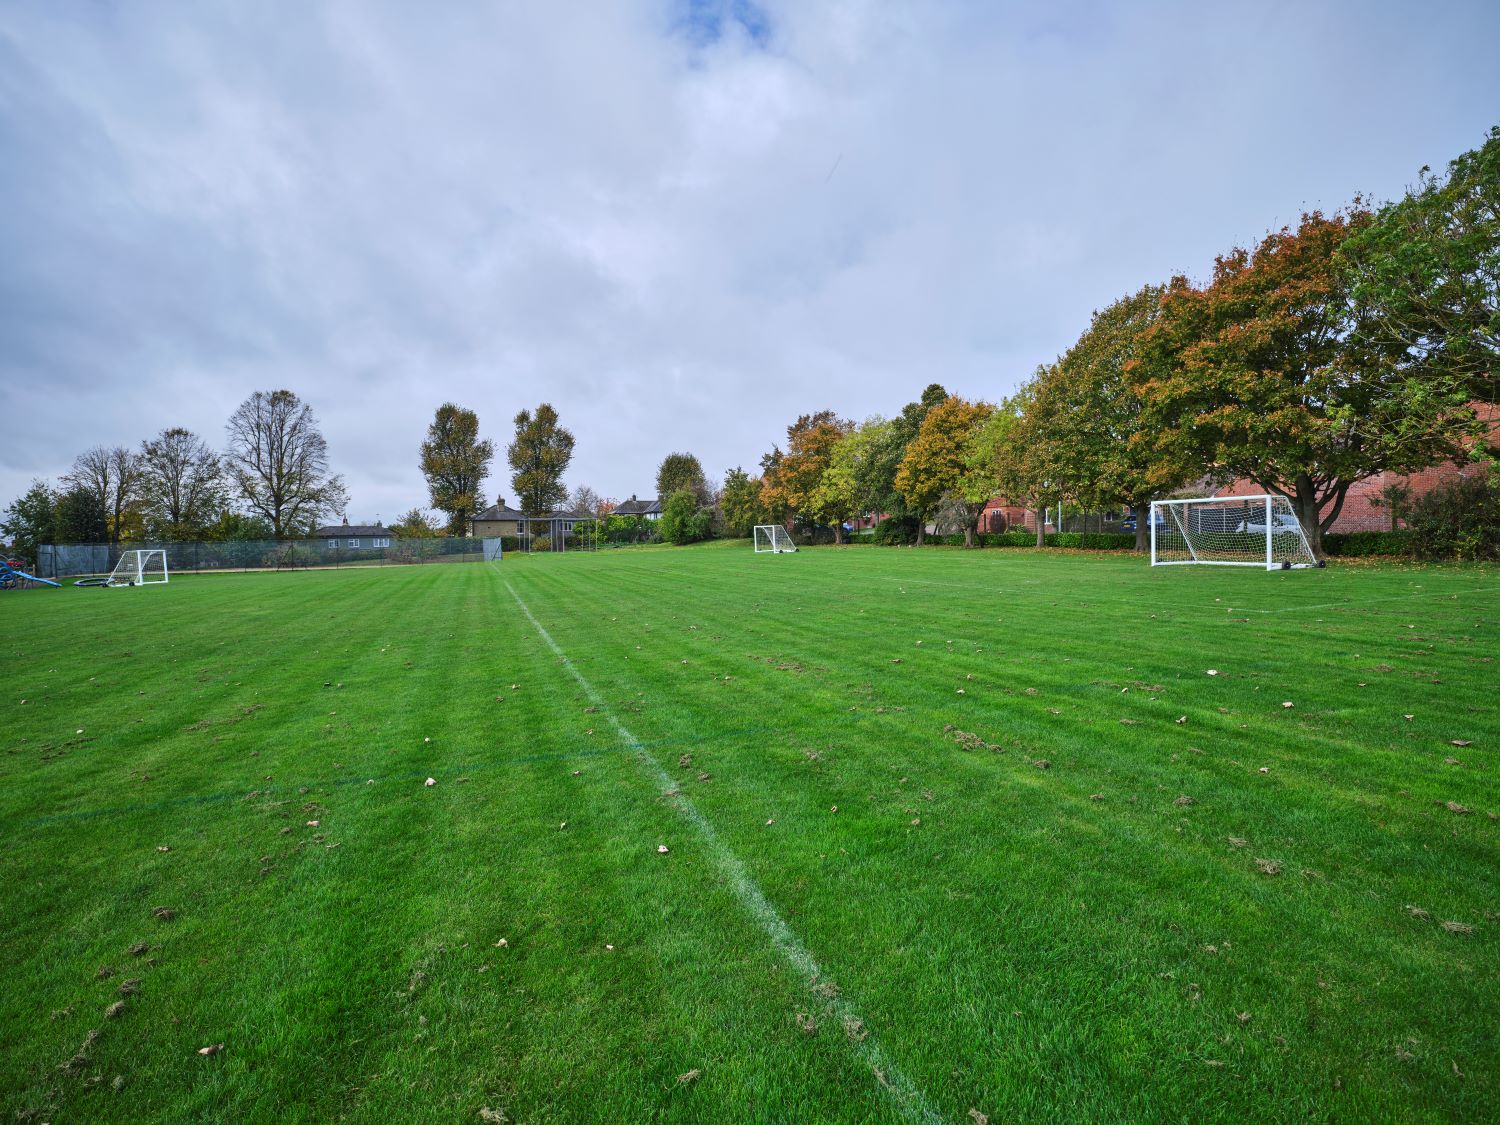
[
  {"x": 1085, "y": 540},
  {"x": 1362, "y": 544}
]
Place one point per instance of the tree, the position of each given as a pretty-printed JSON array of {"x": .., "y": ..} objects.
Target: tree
[
  {"x": 237, "y": 527},
  {"x": 939, "y": 461},
  {"x": 416, "y": 524},
  {"x": 856, "y": 479},
  {"x": 113, "y": 475},
  {"x": 1091, "y": 417},
  {"x": 81, "y": 516},
  {"x": 278, "y": 461},
  {"x": 740, "y": 503},
  {"x": 31, "y": 520},
  {"x": 790, "y": 480},
  {"x": 680, "y": 471},
  {"x": 1271, "y": 373},
  {"x": 585, "y": 500},
  {"x": 539, "y": 456},
  {"x": 183, "y": 489},
  {"x": 684, "y": 520},
  {"x": 455, "y": 463},
  {"x": 1426, "y": 273}
]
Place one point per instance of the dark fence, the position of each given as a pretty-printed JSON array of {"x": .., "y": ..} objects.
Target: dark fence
[{"x": 67, "y": 560}]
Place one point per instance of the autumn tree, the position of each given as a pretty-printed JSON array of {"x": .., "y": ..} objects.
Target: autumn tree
[
  {"x": 682, "y": 471},
  {"x": 739, "y": 501},
  {"x": 938, "y": 462},
  {"x": 183, "y": 487},
  {"x": 416, "y": 524},
  {"x": 113, "y": 476},
  {"x": 1089, "y": 417},
  {"x": 278, "y": 462},
  {"x": 456, "y": 462},
  {"x": 1270, "y": 373},
  {"x": 539, "y": 456},
  {"x": 1013, "y": 454},
  {"x": 858, "y": 478},
  {"x": 789, "y": 480}
]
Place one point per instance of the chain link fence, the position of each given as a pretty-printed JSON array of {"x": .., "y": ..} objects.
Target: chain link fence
[{"x": 71, "y": 560}]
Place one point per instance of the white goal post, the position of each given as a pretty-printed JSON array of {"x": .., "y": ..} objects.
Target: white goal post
[
  {"x": 772, "y": 538},
  {"x": 139, "y": 568},
  {"x": 1258, "y": 531}
]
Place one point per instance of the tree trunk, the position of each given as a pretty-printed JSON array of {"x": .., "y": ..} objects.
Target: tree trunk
[
  {"x": 921, "y": 528},
  {"x": 1041, "y": 527},
  {"x": 969, "y": 536},
  {"x": 1143, "y": 518},
  {"x": 838, "y": 535}
]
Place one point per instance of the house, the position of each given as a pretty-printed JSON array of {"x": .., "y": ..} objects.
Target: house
[
  {"x": 500, "y": 520},
  {"x": 355, "y": 536},
  {"x": 651, "y": 509}
]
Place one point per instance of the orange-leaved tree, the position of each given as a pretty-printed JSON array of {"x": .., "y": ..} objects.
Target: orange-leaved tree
[{"x": 938, "y": 464}]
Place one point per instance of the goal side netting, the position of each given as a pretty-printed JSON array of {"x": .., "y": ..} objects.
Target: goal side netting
[
  {"x": 139, "y": 568},
  {"x": 1258, "y": 531},
  {"x": 772, "y": 538}
]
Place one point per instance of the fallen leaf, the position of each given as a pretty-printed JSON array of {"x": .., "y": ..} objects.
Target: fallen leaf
[
  {"x": 430, "y": 782},
  {"x": 691, "y": 1076},
  {"x": 1461, "y": 742},
  {"x": 211, "y": 1049},
  {"x": 1268, "y": 866},
  {"x": 1457, "y": 927},
  {"x": 662, "y": 849}
]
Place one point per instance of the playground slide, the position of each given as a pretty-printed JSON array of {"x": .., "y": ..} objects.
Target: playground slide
[{"x": 34, "y": 578}]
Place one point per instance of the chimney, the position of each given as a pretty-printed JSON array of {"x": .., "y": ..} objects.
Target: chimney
[{"x": 346, "y": 521}]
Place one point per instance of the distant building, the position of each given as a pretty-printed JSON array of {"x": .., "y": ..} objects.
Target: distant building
[
  {"x": 651, "y": 509},
  {"x": 355, "y": 536},
  {"x": 500, "y": 520}
]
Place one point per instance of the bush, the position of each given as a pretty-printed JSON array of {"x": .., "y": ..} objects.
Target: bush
[
  {"x": 542, "y": 543},
  {"x": 1457, "y": 520},
  {"x": 683, "y": 520},
  {"x": 1363, "y": 544},
  {"x": 898, "y": 531}
]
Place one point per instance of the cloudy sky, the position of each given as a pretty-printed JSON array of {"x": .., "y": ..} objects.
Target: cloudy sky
[{"x": 682, "y": 222}]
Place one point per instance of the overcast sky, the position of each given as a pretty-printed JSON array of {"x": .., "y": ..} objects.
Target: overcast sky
[{"x": 681, "y": 223}]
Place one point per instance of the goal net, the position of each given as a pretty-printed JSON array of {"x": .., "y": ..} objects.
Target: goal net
[
  {"x": 139, "y": 568},
  {"x": 1229, "y": 531},
  {"x": 772, "y": 538}
]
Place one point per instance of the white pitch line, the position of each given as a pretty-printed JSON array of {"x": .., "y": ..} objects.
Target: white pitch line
[{"x": 912, "y": 1103}]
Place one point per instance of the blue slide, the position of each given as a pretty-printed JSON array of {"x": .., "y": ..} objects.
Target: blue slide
[{"x": 9, "y": 573}]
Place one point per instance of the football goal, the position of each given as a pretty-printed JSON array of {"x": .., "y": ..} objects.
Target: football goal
[
  {"x": 139, "y": 568},
  {"x": 772, "y": 538},
  {"x": 1229, "y": 531}
]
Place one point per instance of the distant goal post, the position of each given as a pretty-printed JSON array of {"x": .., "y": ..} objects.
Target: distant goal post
[
  {"x": 139, "y": 568},
  {"x": 772, "y": 539},
  {"x": 1261, "y": 531}
]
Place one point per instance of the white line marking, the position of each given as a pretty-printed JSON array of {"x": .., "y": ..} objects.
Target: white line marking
[{"x": 908, "y": 1099}]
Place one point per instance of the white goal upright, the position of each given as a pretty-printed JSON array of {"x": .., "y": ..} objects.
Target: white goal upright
[
  {"x": 772, "y": 538},
  {"x": 1229, "y": 531},
  {"x": 139, "y": 568}
]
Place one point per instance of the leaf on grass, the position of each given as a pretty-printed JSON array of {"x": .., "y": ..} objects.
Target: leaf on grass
[
  {"x": 1184, "y": 801},
  {"x": 1461, "y": 742},
  {"x": 211, "y": 1049},
  {"x": 1455, "y": 807},
  {"x": 1268, "y": 866},
  {"x": 1458, "y": 927},
  {"x": 693, "y": 1075}
]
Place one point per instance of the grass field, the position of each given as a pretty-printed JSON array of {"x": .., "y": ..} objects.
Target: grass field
[{"x": 945, "y": 832}]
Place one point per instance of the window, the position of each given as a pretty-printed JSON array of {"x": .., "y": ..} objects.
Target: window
[
  {"x": 382, "y": 542},
  {"x": 354, "y": 542},
  {"x": 333, "y": 544}
]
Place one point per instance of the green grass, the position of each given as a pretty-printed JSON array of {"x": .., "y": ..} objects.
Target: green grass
[{"x": 1073, "y": 942}]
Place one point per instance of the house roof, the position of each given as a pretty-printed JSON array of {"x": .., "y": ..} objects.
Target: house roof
[
  {"x": 353, "y": 530},
  {"x": 502, "y": 512},
  {"x": 634, "y": 507}
]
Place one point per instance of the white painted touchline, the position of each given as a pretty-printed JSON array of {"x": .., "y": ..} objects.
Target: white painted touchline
[{"x": 910, "y": 1100}]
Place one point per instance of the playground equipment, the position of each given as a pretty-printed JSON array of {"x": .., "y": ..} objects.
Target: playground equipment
[{"x": 12, "y": 577}]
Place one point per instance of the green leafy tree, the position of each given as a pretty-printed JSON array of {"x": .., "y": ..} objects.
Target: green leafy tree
[
  {"x": 740, "y": 503},
  {"x": 31, "y": 520},
  {"x": 113, "y": 475},
  {"x": 858, "y": 477},
  {"x": 81, "y": 516},
  {"x": 455, "y": 462},
  {"x": 539, "y": 456},
  {"x": 939, "y": 460},
  {"x": 684, "y": 520},
  {"x": 1426, "y": 274},
  {"x": 1013, "y": 449},
  {"x": 790, "y": 481},
  {"x": 238, "y": 527},
  {"x": 1271, "y": 372},
  {"x": 680, "y": 471},
  {"x": 278, "y": 462},
  {"x": 416, "y": 524},
  {"x": 183, "y": 487}
]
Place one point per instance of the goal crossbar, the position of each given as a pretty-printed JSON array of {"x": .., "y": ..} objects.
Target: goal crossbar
[
  {"x": 1261, "y": 531},
  {"x": 139, "y": 568}
]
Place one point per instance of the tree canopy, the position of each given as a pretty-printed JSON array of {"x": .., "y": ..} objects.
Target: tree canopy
[
  {"x": 679, "y": 472},
  {"x": 278, "y": 461},
  {"x": 539, "y": 455},
  {"x": 455, "y": 462},
  {"x": 938, "y": 461}
]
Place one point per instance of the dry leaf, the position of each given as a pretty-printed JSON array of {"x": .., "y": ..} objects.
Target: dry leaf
[{"x": 211, "y": 1049}]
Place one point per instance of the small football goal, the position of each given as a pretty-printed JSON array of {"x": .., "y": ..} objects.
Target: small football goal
[
  {"x": 139, "y": 568},
  {"x": 1258, "y": 531},
  {"x": 772, "y": 538}
]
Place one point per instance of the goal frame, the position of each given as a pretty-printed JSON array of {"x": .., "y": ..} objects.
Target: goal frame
[
  {"x": 1164, "y": 510},
  {"x": 134, "y": 568},
  {"x": 779, "y": 541}
]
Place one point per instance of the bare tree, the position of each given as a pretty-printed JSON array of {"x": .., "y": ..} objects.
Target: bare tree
[
  {"x": 113, "y": 476},
  {"x": 585, "y": 500},
  {"x": 278, "y": 460},
  {"x": 183, "y": 488}
]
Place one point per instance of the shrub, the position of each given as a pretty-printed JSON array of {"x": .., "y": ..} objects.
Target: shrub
[
  {"x": 1362, "y": 544},
  {"x": 898, "y": 531},
  {"x": 542, "y": 543},
  {"x": 1458, "y": 520},
  {"x": 683, "y": 520}
]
